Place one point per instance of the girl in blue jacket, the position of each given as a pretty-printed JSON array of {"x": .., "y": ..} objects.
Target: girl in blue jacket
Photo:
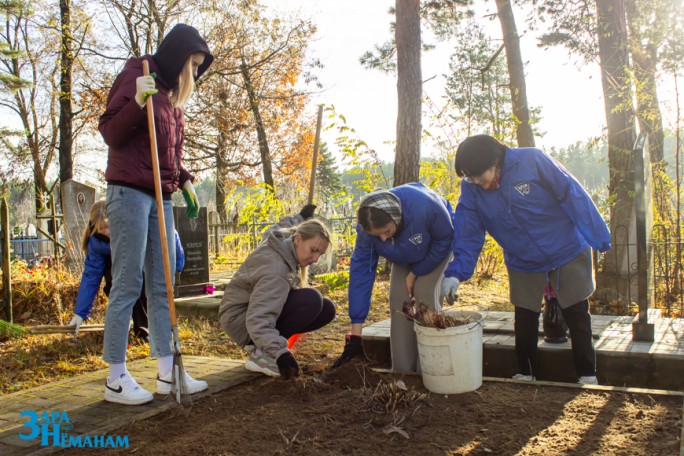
[
  {"x": 98, "y": 265},
  {"x": 546, "y": 224},
  {"x": 411, "y": 226}
]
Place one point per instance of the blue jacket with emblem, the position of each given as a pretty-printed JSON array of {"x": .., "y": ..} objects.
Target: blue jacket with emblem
[
  {"x": 540, "y": 215},
  {"x": 423, "y": 242}
]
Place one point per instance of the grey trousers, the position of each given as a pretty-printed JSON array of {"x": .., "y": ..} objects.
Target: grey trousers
[
  {"x": 573, "y": 282},
  {"x": 403, "y": 343}
]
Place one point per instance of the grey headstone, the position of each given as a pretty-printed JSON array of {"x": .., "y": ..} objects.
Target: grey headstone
[
  {"x": 194, "y": 238},
  {"x": 77, "y": 198}
]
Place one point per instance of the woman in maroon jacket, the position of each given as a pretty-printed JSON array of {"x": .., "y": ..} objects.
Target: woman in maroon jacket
[{"x": 182, "y": 57}]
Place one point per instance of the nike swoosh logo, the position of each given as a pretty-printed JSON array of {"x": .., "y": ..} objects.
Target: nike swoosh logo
[{"x": 118, "y": 390}]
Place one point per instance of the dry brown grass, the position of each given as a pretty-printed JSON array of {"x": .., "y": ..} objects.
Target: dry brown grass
[{"x": 36, "y": 360}]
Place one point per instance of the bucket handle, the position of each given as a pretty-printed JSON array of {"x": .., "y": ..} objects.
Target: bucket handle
[{"x": 485, "y": 313}]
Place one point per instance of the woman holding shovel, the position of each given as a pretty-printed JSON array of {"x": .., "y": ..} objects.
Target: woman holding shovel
[
  {"x": 267, "y": 301},
  {"x": 411, "y": 226},
  {"x": 182, "y": 57},
  {"x": 546, "y": 224}
]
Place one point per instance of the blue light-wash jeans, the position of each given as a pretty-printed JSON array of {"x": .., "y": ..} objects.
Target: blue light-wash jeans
[{"x": 135, "y": 244}]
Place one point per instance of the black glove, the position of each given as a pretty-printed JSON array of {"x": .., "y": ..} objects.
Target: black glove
[
  {"x": 308, "y": 211},
  {"x": 352, "y": 348},
  {"x": 287, "y": 366}
]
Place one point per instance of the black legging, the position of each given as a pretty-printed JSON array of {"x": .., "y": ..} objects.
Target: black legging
[
  {"x": 305, "y": 310},
  {"x": 579, "y": 323}
]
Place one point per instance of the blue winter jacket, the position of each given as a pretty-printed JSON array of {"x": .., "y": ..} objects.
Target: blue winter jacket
[
  {"x": 423, "y": 243},
  {"x": 98, "y": 265},
  {"x": 540, "y": 215}
]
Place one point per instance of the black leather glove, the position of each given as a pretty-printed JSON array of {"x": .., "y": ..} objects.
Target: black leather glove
[
  {"x": 287, "y": 366},
  {"x": 352, "y": 348},
  {"x": 308, "y": 211}
]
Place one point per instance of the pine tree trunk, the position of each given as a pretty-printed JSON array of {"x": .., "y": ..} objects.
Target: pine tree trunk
[
  {"x": 409, "y": 92},
  {"x": 66, "y": 164},
  {"x": 516, "y": 74},
  {"x": 612, "y": 40}
]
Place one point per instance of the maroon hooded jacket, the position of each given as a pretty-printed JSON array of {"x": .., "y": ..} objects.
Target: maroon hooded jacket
[{"x": 124, "y": 124}]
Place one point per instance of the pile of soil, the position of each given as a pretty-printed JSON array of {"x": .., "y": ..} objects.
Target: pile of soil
[{"x": 355, "y": 410}]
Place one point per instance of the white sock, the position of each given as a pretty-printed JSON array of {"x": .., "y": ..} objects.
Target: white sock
[
  {"x": 164, "y": 365},
  {"x": 116, "y": 370}
]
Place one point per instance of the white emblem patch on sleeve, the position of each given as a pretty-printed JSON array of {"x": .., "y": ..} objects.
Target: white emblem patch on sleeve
[{"x": 523, "y": 188}]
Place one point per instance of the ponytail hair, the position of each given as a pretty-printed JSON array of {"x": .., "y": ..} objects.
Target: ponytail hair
[{"x": 96, "y": 222}]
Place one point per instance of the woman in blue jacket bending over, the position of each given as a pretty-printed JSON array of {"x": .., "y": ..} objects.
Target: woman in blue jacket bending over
[
  {"x": 411, "y": 226},
  {"x": 98, "y": 265},
  {"x": 546, "y": 224}
]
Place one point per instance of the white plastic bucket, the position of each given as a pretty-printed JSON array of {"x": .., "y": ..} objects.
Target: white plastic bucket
[{"x": 451, "y": 358}]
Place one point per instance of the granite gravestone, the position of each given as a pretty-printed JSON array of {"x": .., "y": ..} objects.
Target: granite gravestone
[
  {"x": 193, "y": 233},
  {"x": 77, "y": 199}
]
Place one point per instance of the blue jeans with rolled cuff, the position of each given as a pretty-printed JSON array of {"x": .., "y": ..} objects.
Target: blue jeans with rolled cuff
[{"x": 136, "y": 247}]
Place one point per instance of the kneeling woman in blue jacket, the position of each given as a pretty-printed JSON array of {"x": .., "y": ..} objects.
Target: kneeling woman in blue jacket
[
  {"x": 546, "y": 224},
  {"x": 411, "y": 226}
]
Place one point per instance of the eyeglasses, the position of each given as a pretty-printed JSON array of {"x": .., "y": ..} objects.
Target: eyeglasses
[{"x": 482, "y": 178}]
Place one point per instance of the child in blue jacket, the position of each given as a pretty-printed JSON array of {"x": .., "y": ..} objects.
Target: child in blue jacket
[
  {"x": 98, "y": 265},
  {"x": 546, "y": 224},
  {"x": 411, "y": 226}
]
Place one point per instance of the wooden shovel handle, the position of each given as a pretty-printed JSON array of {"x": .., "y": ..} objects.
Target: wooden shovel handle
[{"x": 160, "y": 202}]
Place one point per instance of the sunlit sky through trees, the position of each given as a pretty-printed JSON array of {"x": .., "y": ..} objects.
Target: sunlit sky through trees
[{"x": 570, "y": 98}]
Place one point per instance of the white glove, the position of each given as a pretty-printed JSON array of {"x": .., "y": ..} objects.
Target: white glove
[
  {"x": 76, "y": 321},
  {"x": 449, "y": 289},
  {"x": 144, "y": 87}
]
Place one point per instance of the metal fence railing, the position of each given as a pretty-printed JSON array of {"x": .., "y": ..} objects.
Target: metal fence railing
[
  {"x": 232, "y": 242},
  {"x": 30, "y": 249},
  {"x": 665, "y": 271}
]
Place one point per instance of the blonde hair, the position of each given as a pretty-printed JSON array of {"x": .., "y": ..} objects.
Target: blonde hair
[
  {"x": 96, "y": 222},
  {"x": 186, "y": 85},
  {"x": 308, "y": 230}
]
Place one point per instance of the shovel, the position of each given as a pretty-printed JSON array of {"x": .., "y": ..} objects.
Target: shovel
[{"x": 178, "y": 385}]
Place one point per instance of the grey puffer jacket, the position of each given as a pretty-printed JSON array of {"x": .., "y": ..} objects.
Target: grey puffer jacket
[{"x": 254, "y": 298}]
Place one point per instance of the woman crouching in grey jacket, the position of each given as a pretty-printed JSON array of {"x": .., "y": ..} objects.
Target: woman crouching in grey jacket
[{"x": 263, "y": 305}]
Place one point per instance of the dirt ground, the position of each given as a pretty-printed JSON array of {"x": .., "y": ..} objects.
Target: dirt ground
[{"x": 355, "y": 410}]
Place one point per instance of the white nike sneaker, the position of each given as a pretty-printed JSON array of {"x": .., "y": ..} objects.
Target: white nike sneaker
[
  {"x": 125, "y": 390},
  {"x": 165, "y": 384}
]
